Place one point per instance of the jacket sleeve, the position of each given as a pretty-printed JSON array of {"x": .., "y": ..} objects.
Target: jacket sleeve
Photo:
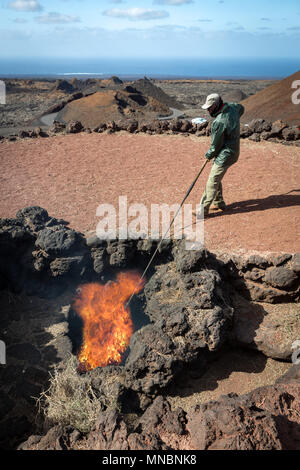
[
  {"x": 217, "y": 140},
  {"x": 241, "y": 109}
]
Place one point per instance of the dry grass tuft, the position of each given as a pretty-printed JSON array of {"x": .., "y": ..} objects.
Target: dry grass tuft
[{"x": 70, "y": 399}]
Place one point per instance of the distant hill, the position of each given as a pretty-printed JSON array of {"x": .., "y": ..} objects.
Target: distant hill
[
  {"x": 235, "y": 96},
  {"x": 112, "y": 105},
  {"x": 148, "y": 88},
  {"x": 274, "y": 102}
]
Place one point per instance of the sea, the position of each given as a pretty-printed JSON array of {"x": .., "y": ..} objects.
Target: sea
[{"x": 133, "y": 68}]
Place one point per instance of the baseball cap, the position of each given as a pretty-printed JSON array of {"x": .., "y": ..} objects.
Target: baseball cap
[{"x": 210, "y": 100}]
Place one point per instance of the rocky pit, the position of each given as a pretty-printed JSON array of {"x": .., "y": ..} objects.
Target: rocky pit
[{"x": 199, "y": 320}]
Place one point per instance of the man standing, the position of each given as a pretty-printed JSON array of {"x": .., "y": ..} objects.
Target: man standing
[{"x": 224, "y": 149}]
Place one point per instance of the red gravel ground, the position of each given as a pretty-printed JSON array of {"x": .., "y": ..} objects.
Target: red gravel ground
[{"x": 71, "y": 175}]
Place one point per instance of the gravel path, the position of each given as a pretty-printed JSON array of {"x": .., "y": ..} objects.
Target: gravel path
[{"x": 71, "y": 175}]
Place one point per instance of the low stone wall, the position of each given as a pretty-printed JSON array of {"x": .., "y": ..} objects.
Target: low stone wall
[
  {"x": 39, "y": 250},
  {"x": 256, "y": 130},
  {"x": 197, "y": 303},
  {"x": 271, "y": 278}
]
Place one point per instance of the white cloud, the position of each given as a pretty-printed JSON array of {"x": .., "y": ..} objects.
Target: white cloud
[
  {"x": 57, "y": 18},
  {"x": 25, "y": 5},
  {"x": 136, "y": 14},
  {"x": 173, "y": 2}
]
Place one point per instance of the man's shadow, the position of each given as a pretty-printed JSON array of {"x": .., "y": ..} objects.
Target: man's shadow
[{"x": 275, "y": 201}]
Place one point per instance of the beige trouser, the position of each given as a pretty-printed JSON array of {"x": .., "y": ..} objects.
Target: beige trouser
[{"x": 213, "y": 191}]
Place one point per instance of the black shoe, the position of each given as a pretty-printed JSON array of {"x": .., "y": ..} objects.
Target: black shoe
[
  {"x": 205, "y": 213},
  {"x": 222, "y": 206}
]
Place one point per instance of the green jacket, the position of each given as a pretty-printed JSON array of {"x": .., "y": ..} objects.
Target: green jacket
[{"x": 225, "y": 135}]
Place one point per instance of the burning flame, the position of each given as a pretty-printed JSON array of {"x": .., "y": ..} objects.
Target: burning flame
[{"x": 107, "y": 324}]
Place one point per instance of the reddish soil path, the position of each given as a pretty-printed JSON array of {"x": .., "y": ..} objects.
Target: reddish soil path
[{"x": 71, "y": 175}]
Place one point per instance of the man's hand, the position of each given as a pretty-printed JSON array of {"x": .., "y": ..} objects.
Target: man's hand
[{"x": 207, "y": 156}]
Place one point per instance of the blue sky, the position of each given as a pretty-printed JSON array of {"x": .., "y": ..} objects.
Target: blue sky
[{"x": 149, "y": 28}]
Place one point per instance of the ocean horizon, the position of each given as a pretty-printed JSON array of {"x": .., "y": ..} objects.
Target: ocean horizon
[{"x": 196, "y": 68}]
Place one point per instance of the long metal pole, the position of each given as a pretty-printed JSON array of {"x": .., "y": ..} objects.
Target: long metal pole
[{"x": 162, "y": 239}]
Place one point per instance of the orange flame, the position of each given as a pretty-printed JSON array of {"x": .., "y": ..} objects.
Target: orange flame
[{"x": 107, "y": 325}]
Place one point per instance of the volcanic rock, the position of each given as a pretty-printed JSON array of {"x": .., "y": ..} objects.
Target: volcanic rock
[
  {"x": 58, "y": 240},
  {"x": 208, "y": 128},
  {"x": 100, "y": 259},
  {"x": 229, "y": 425},
  {"x": 296, "y": 263},
  {"x": 277, "y": 128},
  {"x": 112, "y": 126},
  {"x": 154, "y": 127},
  {"x": 279, "y": 259},
  {"x": 265, "y": 135},
  {"x": 255, "y": 137},
  {"x": 71, "y": 266},
  {"x": 190, "y": 316},
  {"x": 188, "y": 261},
  {"x": 269, "y": 329},
  {"x": 116, "y": 80},
  {"x": 23, "y": 134},
  {"x": 259, "y": 125},
  {"x": 246, "y": 263},
  {"x": 202, "y": 126},
  {"x": 121, "y": 254},
  {"x": 57, "y": 127},
  {"x": 159, "y": 427},
  {"x": 186, "y": 126},
  {"x": 148, "y": 88},
  {"x": 63, "y": 85},
  {"x": 175, "y": 125},
  {"x": 259, "y": 292},
  {"x": 112, "y": 81},
  {"x": 55, "y": 439},
  {"x": 108, "y": 385},
  {"x": 280, "y": 277},
  {"x": 151, "y": 362},
  {"x": 38, "y": 132},
  {"x": 13, "y": 234},
  {"x": 291, "y": 133},
  {"x": 74, "y": 127},
  {"x": 245, "y": 131},
  {"x": 264, "y": 419},
  {"x": 95, "y": 242},
  {"x": 109, "y": 432},
  {"x": 34, "y": 217},
  {"x": 132, "y": 126}
]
